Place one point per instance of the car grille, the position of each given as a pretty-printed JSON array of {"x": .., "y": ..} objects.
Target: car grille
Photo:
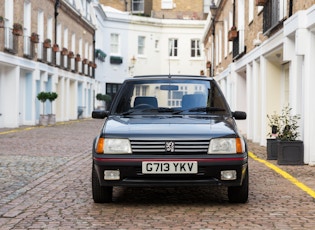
[{"x": 169, "y": 147}]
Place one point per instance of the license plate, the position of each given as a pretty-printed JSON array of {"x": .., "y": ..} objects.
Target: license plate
[{"x": 169, "y": 167}]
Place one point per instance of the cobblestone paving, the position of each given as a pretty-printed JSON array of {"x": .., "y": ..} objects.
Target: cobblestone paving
[{"x": 45, "y": 183}]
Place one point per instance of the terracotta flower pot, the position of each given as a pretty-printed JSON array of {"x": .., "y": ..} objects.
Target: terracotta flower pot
[
  {"x": 34, "y": 38},
  {"x": 261, "y": 2},
  {"x": 232, "y": 34},
  {"x": 55, "y": 48}
]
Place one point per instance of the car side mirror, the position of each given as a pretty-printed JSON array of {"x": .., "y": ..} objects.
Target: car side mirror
[
  {"x": 239, "y": 115},
  {"x": 99, "y": 114}
]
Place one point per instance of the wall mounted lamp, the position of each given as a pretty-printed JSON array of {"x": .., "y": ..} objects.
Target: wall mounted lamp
[
  {"x": 213, "y": 9},
  {"x": 132, "y": 62}
]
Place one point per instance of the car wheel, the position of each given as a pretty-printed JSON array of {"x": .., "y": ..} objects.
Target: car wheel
[
  {"x": 239, "y": 194},
  {"x": 101, "y": 194}
]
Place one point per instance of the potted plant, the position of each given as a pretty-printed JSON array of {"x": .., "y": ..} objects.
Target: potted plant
[
  {"x": 47, "y": 43},
  {"x": 290, "y": 150},
  {"x": 232, "y": 34},
  {"x": 35, "y": 38},
  {"x": 78, "y": 58},
  {"x": 71, "y": 54},
  {"x": 43, "y": 119},
  {"x": 17, "y": 29},
  {"x": 1, "y": 22},
  {"x": 85, "y": 61},
  {"x": 64, "y": 51},
  {"x": 55, "y": 48},
  {"x": 272, "y": 146},
  {"x": 51, "y": 96},
  {"x": 261, "y": 2},
  {"x": 103, "y": 97}
]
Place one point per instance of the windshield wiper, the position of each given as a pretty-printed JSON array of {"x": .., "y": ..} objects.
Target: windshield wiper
[
  {"x": 200, "y": 109},
  {"x": 206, "y": 109},
  {"x": 148, "y": 111}
]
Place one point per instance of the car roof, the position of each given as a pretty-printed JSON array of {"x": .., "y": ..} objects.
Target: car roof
[{"x": 194, "y": 77}]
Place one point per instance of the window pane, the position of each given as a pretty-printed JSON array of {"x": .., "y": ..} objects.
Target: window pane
[
  {"x": 141, "y": 42},
  {"x": 114, "y": 45}
]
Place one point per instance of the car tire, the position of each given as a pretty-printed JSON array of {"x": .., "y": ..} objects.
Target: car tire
[
  {"x": 101, "y": 194},
  {"x": 239, "y": 194}
]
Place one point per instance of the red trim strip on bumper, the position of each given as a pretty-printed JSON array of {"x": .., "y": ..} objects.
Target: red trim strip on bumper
[{"x": 168, "y": 159}]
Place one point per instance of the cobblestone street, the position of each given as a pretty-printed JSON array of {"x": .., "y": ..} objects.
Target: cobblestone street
[{"x": 45, "y": 183}]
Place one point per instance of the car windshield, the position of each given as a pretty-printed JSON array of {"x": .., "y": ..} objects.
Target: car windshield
[{"x": 170, "y": 96}]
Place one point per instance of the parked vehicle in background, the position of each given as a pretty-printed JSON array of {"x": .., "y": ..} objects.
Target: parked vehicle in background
[{"x": 169, "y": 131}]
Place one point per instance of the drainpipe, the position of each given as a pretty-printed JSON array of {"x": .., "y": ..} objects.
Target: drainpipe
[
  {"x": 290, "y": 8},
  {"x": 93, "y": 69},
  {"x": 126, "y": 5},
  {"x": 57, "y": 4},
  {"x": 233, "y": 12}
]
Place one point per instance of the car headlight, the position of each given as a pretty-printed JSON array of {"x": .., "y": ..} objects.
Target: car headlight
[
  {"x": 226, "y": 146},
  {"x": 113, "y": 146}
]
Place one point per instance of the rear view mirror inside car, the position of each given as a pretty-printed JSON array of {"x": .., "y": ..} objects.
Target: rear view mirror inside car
[{"x": 169, "y": 87}]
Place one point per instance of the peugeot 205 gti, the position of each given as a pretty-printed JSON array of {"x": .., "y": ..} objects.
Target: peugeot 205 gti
[{"x": 169, "y": 131}]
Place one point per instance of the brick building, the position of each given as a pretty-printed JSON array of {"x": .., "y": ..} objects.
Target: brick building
[
  {"x": 45, "y": 46},
  {"x": 267, "y": 64},
  {"x": 163, "y": 9}
]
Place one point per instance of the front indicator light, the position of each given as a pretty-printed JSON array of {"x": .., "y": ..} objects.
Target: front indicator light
[{"x": 100, "y": 146}]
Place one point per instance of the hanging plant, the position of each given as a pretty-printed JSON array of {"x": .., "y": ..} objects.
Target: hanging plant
[
  {"x": 1, "y": 22},
  {"x": 64, "y": 51},
  {"x": 17, "y": 29},
  {"x": 55, "y": 48},
  {"x": 47, "y": 43},
  {"x": 232, "y": 33},
  {"x": 261, "y": 2},
  {"x": 85, "y": 61},
  {"x": 71, "y": 54},
  {"x": 35, "y": 38},
  {"x": 78, "y": 58}
]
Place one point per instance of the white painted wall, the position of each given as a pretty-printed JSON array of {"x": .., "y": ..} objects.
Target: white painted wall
[{"x": 155, "y": 60}]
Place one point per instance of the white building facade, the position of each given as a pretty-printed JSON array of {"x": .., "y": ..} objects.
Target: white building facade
[
  {"x": 137, "y": 45},
  {"x": 277, "y": 73},
  {"x": 27, "y": 68}
]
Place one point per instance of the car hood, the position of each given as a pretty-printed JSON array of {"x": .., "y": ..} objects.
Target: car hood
[{"x": 170, "y": 126}]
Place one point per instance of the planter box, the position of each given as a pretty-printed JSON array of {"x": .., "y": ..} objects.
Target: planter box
[
  {"x": 35, "y": 38},
  {"x": 55, "y": 48},
  {"x": 17, "y": 32},
  {"x": 47, "y": 45},
  {"x": 261, "y": 2},
  {"x": 272, "y": 149},
  {"x": 52, "y": 119},
  {"x": 290, "y": 153},
  {"x": 43, "y": 120},
  {"x": 116, "y": 60},
  {"x": 232, "y": 34}
]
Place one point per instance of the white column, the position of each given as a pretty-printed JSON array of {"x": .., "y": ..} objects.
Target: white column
[
  {"x": 10, "y": 111},
  {"x": 249, "y": 98}
]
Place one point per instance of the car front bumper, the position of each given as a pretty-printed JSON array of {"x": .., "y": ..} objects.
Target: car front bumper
[{"x": 130, "y": 172}]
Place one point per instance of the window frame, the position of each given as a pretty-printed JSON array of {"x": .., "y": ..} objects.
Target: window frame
[
  {"x": 173, "y": 47},
  {"x": 141, "y": 47},
  {"x": 195, "y": 52},
  {"x": 115, "y": 44}
]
